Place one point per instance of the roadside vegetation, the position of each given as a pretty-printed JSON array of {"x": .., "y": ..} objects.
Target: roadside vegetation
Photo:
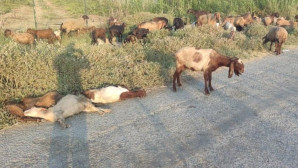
[{"x": 26, "y": 70}]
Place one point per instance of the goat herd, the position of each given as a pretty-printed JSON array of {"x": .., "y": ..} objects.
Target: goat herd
[{"x": 54, "y": 107}]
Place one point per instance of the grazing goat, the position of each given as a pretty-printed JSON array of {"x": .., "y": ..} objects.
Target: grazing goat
[
  {"x": 277, "y": 35},
  {"x": 206, "y": 60},
  {"x": 197, "y": 13},
  {"x": 130, "y": 39},
  {"x": 210, "y": 19},
  {"x": 98, "y": 33},
  {"x": 112, "y": 94},
  {"x": 154, "y": 24},
  {"x": 22, "y": 38},
  {"x": 162, "y": 20},
  {"x": 283, "y": 22},
  {"x": 270, "y": 19},
  {"x": 112, "y": 21},
  {"x": 43, "y": 34},
  {"x": 68, "y": 106},
  {"x": 116, "y": 31},
  {"x": 178, "y": 24},
  {"x": 140, "y": 33},
  {"x": 73, "y": 25}
]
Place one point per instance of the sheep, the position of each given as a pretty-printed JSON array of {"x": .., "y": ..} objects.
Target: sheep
[
  {"x": 277, "y": 35},
  {"x": 98, "y": 33},
  {"x": 22, "y": 38},
  {"x": 68, "y": 106},
  {"x": 112, "y": 94},
  {"x": 73, "y": 25},
  {"x": 197, "y": 13},
  {"x": 210, "y": 19},
  {"x": 43, "y": 34},
  {"x": 117, "y": 31},
  {"x": 206, "y": 60},
  {"x": 178, "y": 24}
]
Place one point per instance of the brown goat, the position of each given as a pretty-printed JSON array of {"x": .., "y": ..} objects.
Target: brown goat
[
  {"x": 98, "y": 33},
  {"x": 197, "y": 13},
  {"x": 277, "y": 35},
  {"x": 178, "y": 24},
  {"x": 209, "y": 19},
  {"x": 140, "y": 33},
  {"x": 155, "y": 24},
  {"x": 43, "y": 34},
  {"x": 206, "y": 60},
  {"x": 116, "y": 31},
  {"x": 22, "y": 38},
  {"x": 164, "y": 21}
]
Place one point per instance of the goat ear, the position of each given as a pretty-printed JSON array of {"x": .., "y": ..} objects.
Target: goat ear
[{"x": 231, "y": 69}]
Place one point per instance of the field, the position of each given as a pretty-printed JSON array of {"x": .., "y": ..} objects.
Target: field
[{"x": 75, "y": 65}]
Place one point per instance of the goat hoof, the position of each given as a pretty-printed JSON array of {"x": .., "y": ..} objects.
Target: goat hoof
[
  {"x": 211, "y": 89},
  {"x": 179, "y": 84},
  {"x": 207, "y": 93}
]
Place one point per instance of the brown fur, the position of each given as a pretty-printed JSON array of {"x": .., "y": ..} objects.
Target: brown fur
[
  {"x": 89, "y": 94},
  {"x": 197, "y": 57},
  {"x": 277, "y": 35},
  {"x": 47, "y": 100},
  {"x": 98, "y": 33},
  {"x": 178, "y": 23},
  {"x": 86, "y": 30},
  {"x": 130, "y": 39},
  {"x": 197, "y": 13},
  {"x": 210, "y": 19},
  {"x": 216, "y": 60},
  {"x": 43, "y": 34},
  {"x": 283, "y": 22},
  {"x": 162, "y": 20},
  {"x": 153, "y": 25},
  {"x": 116, "y": 31},
  {"x": 132, "y": 94},
  {"x": 18, "y": 111},
  {"x": 22, "y": 38},
  {"x": 140, "y": 33},
  {"x": 113, "y": 21}
]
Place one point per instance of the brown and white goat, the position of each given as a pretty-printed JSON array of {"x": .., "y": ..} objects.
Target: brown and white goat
[
  {"x": 277, "y": 35},
  {"x": 22, "y": 38},
  {"x": 206, "y": 60},
  {"x": 112, "y": 94},
  {"x": 68, "y": 106}
]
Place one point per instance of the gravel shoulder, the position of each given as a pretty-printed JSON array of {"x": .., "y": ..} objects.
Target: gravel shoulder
[{"x": 248, "y": 121}]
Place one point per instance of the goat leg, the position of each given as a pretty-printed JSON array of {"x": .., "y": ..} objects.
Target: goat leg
[
  {"x": 206, "y": 78},
  {"x": 63, "y": 123},
  {"x": 210, "y": 78},
  {"x": 174, "y": 81},
  {"x": 102, "y": 111}
]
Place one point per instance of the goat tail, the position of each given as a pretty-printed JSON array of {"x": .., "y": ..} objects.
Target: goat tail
[{"x": 132, "y": 94}]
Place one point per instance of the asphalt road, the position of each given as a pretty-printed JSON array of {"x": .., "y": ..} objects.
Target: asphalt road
[{"x": 248, "y": 121}]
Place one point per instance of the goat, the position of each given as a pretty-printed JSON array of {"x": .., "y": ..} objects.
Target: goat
[
  {"x": 98, "y": 33},
  {"x": 197, "y": 13},
  {"x": 162, "y": 20},
  {"x": 112, "y": 94},
  {"x": 277, "y": 35},
  {"x": 152, "y": 25},
  {"x": 210, "y": 19},
  {"x": 178, "y": 24},
  {"x": 22, "y": 38},
  {"x": 117, "y": 31},
  {"x": 140, "y": 33},
  {"x": 43, "y": 34},
  {"x": 270, "y": 19},
  {"x": 73, "y": 25},
  {"x": 283, "y": 22},
  {"x": 68, "y": 106},
  {"x": 206, "y": 60}
]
